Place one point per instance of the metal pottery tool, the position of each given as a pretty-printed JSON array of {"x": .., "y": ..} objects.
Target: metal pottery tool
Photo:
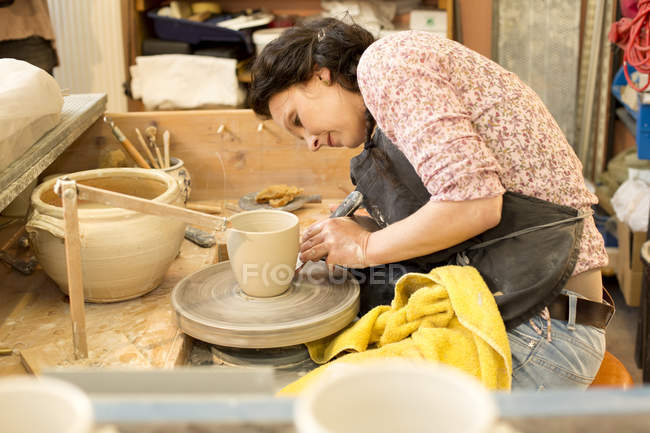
[
  {"x": 349, "y": 205},
  {"x": 128, "y": 146}
]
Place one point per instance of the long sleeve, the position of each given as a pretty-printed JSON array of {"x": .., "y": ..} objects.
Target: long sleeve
[{"x": 412, "y": 99}]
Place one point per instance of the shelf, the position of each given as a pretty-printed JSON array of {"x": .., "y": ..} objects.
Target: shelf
[{"x": 78, "y": 113}]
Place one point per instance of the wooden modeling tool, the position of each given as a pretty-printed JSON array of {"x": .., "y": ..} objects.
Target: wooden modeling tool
[
  {"x": 166, "y": 147},
  {"x": 151, "y": 132},
  {"x": 126, "y": 144},
  {"x": 146, "y": 148},
  {"x": 66, "y": 189}
]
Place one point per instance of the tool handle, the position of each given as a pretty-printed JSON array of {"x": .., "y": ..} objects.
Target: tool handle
[
  {"x": 350, "y": 204},
  {"x": 126, "y": 144},
  {"x": 166, "y": 139},
  {"x": 146, "y": 148},
  {"x": 161, "y": 161}
]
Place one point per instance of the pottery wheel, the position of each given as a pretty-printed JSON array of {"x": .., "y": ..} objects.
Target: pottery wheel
[{"x": 211, "y": 307}]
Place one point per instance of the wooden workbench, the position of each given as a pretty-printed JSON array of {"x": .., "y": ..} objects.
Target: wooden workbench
[{"x": 137, "y": 333}]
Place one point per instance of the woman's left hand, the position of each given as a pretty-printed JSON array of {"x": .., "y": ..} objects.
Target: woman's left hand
[{"x": 342, "y": 240}]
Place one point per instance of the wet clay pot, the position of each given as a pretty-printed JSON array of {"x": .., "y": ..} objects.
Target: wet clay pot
[
  {"x": 263, "y": 249},
  {"x": 124, "y": 254},
  {"x": 178, "y": 171}
]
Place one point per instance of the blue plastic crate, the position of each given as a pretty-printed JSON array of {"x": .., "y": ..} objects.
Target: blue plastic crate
[
  {"x": 193, "y": 32},
  {"x": 641, "y": 116}
]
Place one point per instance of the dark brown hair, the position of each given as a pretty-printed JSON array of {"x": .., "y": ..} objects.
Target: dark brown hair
[{"x": 291, "y": 58}]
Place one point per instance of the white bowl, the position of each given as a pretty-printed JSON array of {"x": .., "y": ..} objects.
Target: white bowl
[
  {"x": 394, "y": 395},
  {"x": 43, "y": 405}
]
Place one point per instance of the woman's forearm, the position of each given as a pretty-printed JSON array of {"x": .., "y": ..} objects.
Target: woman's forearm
[{"x": 434, "y": 227}]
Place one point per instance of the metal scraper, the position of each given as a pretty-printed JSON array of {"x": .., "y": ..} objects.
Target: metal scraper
[{"x": 350, "y": 204}]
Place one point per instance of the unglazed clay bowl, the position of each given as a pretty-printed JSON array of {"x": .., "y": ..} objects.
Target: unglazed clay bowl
[
  {"x": 124, "y": 254},
  {"x": 263, "y": 249}
]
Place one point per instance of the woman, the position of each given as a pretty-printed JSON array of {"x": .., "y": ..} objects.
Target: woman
[{"x": 461, "y": 163}]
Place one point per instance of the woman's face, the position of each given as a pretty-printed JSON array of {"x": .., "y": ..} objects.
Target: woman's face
[{"x": 320, "y": 113}]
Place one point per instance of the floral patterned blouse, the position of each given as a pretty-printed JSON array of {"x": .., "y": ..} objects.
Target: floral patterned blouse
[{"x": 472, "y": 129}]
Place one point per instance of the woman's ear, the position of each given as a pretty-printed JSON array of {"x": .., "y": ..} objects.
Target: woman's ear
[{"x": 324, "y": 75}]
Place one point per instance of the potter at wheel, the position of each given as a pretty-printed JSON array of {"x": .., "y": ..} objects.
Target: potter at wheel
[{"x": 211, "y": 307}]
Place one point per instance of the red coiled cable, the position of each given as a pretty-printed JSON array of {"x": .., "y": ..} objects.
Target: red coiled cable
[{"x": 633, "y": 36}]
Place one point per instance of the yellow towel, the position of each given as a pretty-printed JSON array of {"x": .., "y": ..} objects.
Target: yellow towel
[{"x": 447, "y": 315}]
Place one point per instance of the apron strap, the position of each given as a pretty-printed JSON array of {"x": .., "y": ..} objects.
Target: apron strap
[{"x": 463, "y": 260}]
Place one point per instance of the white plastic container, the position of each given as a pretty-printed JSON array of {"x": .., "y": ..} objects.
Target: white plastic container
[
  {"x": 40, "y": 405},
  {"x": 262, "y": 37},
  {"x": 395, "y": 395}
]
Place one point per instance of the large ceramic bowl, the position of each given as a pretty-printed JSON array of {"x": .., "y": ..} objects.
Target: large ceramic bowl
[{"x": 124, "y": 254}]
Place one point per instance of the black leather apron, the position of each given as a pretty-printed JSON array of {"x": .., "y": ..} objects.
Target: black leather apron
[{"x": 526, "y": 260}]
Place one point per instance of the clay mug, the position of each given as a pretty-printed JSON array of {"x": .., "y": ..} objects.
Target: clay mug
[
  {"x": 394, "y": 395},
  {"x": 43, "y": 404},
  {"x": 263, "y": 249}
]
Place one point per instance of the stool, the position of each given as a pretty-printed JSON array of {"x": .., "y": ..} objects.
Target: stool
[{"x": 612, "y": 373}]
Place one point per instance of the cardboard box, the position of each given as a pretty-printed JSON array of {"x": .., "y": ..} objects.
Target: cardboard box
[{"x": 629, "y": 267}]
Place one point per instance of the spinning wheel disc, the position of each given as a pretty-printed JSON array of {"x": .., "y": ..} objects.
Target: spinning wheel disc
[{"x": 211, "y": 307}]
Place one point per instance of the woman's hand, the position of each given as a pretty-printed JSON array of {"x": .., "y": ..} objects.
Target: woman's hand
[{"x": 341, "y": 240}]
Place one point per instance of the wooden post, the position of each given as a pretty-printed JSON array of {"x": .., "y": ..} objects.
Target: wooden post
[{"x": 68, "y": 192}]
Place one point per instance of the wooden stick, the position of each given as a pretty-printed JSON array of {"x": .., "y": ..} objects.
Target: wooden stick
[
  {"x": 166, "y": 147},
  {"x": 138, "y": 204},
  {"x": 151, "y": 132},
  {"x": 126, "y": 144},
  {"x": 68, "y": 192},
  {"x": 143, "y": 144},
  {"x": 161, "y": 161},
  {"x": 203, "y": 207}
]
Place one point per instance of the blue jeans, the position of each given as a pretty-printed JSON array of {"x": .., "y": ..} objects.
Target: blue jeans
[{"x": 570, "y": 360}]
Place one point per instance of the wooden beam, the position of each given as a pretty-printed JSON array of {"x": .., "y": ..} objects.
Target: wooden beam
[{"x": 68, "y": 193}]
